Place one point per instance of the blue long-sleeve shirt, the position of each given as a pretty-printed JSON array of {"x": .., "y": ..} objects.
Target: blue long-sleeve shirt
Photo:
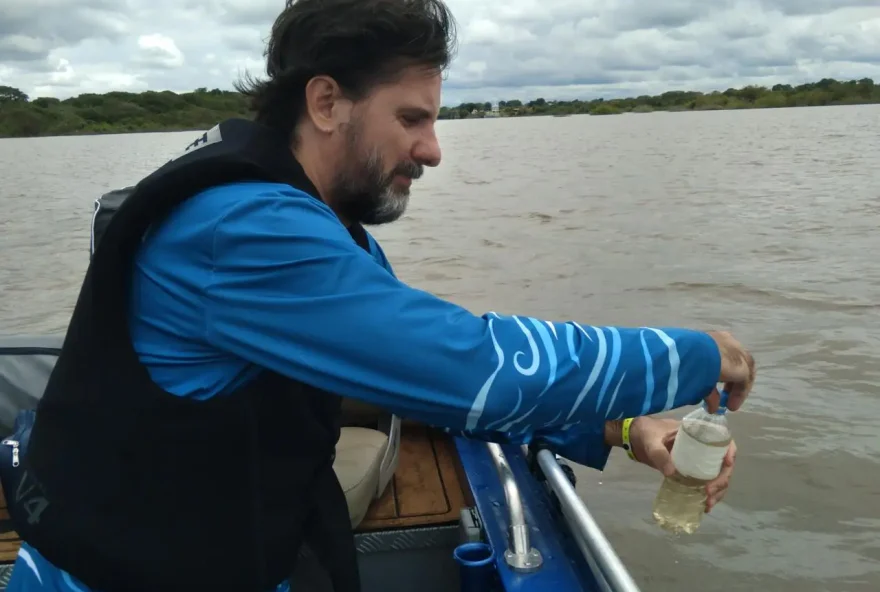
[{"x": 254, "y": 275}]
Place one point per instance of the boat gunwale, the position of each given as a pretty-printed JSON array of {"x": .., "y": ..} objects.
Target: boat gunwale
[{"x": 564, "y": 568}]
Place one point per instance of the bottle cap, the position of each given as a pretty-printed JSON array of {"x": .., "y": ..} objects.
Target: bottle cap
[{"x": 722, "y": 406}]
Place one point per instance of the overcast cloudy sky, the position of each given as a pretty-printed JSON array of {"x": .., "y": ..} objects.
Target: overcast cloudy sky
[{"x": 508, "y": 48}]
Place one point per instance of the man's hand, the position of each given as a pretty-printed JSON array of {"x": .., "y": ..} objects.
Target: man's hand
[
  {"x": 737, "y": 372},
  {"x": 652, "y": 438}
]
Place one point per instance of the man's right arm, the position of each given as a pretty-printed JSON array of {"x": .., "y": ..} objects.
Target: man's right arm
[{"x": 291, "y": 292}]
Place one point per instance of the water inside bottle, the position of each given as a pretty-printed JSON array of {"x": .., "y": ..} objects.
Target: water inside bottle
[
  {"x": 698, "y": 453},
  {"x": 680, "y": 504}
]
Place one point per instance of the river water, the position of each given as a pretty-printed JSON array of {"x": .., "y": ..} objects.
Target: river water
[{"x": 761, "y": 222}]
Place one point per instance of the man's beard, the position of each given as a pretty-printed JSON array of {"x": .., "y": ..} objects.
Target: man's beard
[{"x": 363, "y": 192}]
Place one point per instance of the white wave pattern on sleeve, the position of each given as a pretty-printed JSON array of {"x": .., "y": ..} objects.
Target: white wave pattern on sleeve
[
  {"x": 547, "y": 356},
  {"x": 28, "y": 560},
  {"x": 594, "y": 373},
  {"x": 480, "y": 401},
  {"x": 674, "y": 363}
]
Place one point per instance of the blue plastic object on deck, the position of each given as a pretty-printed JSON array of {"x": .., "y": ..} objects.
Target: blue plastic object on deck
[{"x": 477, "y": 566}]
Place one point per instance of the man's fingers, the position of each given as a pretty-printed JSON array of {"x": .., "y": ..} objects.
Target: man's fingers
[
  {"x": 658, "y": 451},
  {"x": 743, "y": 388},
  {"x": 735, "y": 398},
  {"x": 737, "y": 369},
  {"x": 717, "y": 488},
  {"x": 660, "y": 458},
  {"x": 715, "y": 499},
  {"x": 730, "y": 457},
  {"x": 713, "y": 401},
  {"x": 737, "y": 394},
  {"x": 722, "y": 481}
]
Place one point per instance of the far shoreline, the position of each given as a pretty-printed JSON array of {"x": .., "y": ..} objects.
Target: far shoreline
[
  {"x": 116, "y": 113},
  {"x": 470, "y": 119}
]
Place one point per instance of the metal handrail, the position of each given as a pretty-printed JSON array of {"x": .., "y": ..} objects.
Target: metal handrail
[
  {"x": 613, "y": 576},
  {"x": 520, "y": 555}
]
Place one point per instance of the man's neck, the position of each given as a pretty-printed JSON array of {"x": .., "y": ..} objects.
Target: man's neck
[{"x": 315, "y": 166}]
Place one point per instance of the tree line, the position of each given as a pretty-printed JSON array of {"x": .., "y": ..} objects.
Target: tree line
[
  {"x": 824, "y": 92},
  {"x": 152, "y": 111}
]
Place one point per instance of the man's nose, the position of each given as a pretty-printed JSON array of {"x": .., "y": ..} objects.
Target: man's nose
[{"x": 427, "y": 149}]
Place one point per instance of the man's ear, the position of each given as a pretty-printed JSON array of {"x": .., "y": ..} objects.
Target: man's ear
[{"x": 326, "y": 105}]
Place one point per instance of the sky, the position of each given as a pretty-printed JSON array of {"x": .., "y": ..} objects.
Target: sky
[{"x": 508, "y": 49}]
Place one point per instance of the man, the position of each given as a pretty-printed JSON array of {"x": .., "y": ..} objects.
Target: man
[{"x": 234, "y": 298}]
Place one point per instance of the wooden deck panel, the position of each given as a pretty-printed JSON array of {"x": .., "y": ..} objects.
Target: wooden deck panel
[
  {"x": 427, "y": 487},
  {"x": 9, "y": 541}
]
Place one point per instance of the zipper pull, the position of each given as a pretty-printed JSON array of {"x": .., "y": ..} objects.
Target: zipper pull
[{"x": 14, "y": 443}]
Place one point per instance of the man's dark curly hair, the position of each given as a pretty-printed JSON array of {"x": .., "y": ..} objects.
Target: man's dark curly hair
[{"x": 359, "y": 43}]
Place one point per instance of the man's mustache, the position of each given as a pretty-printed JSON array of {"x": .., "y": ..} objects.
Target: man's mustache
[{"x": 410, "y": 170}]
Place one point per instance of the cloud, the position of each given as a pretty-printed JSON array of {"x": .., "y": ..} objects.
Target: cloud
[
  {"x": 159, "y": 51},
  {"x": 510, "y": 49},
  {"x": 31, "y": 29}
]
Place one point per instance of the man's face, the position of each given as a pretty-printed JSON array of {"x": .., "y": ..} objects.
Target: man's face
[{"x": 388, "y": 141}]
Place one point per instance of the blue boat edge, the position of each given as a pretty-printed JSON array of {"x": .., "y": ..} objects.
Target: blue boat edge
[{"x": 574, "y": 553}]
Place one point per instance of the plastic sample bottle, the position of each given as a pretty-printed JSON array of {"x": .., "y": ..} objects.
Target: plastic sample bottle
[{"x": 698, "y": 453}]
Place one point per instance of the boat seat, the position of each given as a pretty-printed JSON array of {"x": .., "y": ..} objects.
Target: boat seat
[
  {"x": 358, "y": 458},
  {"x": 366, "y": 455},
  {"x": 25, "y": 366}
]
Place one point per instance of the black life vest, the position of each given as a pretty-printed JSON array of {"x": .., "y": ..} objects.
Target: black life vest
[{"x": 137, "y": 490}]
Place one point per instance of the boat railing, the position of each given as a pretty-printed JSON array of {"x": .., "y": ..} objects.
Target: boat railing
[
  {"x": 520, "y": 555},
  {"x": 597, "y": 550}
]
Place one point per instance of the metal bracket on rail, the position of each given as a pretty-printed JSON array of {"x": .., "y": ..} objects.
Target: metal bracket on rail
[
  {"x": 531, "y": 452},
  {"x": 520, "y": 555}
]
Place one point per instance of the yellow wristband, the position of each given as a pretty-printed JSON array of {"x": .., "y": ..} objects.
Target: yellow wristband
[{"x": 627, "y": 423}]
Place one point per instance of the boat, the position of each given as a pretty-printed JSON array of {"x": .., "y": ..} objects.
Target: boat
[{"x": 431, "y": 512}]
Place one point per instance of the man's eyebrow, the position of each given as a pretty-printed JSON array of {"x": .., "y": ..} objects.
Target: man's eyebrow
[{"x": 417, "y": 112}]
